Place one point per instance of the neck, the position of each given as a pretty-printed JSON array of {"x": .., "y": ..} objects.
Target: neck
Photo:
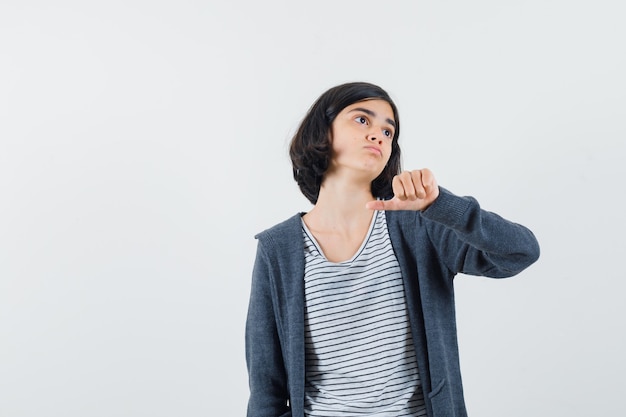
[{"x": 341, "y": 203}]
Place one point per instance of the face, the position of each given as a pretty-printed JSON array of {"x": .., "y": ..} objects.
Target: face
[{"x": 362, "y": 135}]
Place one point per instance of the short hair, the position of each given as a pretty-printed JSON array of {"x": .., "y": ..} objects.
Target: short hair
[{"x": 310, "y": 148}]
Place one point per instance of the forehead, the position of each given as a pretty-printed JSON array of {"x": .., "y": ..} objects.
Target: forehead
[{"x": 378, "y": 106}]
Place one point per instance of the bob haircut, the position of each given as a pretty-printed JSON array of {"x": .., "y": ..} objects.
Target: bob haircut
[{"x": 310, "y": 148}]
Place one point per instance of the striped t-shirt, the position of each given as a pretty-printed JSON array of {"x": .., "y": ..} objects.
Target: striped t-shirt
[{"x": 360, "y": 358}]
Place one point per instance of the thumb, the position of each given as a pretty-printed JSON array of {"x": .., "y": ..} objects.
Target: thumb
[
  {"x": 375, "y": 205},
  {"x": 382, "y": 204}
]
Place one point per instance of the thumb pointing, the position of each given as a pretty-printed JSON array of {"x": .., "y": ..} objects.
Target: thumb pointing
[{"x": 375, "y": 205}]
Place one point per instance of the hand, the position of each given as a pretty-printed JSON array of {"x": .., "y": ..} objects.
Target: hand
[{"x": 412, "y": 190}]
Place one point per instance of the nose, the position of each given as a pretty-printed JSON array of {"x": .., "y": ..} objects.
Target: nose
[{"x": 373, "y": 137}]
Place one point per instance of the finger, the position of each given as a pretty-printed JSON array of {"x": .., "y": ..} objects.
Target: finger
[
  {"x": 398, "y": 188},
  {"x": 407, "y": 186},
  {"x": 428, "y": 181},
  {"x": 416, "y": 177}
]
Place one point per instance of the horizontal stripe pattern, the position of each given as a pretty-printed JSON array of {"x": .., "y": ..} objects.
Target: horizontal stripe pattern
[{"x": 360, "y": 358}]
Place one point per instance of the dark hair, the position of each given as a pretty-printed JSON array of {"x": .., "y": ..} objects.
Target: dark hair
[{"x": 310, "y": 148}]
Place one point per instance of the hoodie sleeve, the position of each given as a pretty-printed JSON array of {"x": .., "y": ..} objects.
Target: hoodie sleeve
[{"x": 474, "y": 241}]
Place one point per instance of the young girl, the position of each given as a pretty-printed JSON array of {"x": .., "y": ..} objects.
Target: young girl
[{"x": 352, "y": 306}]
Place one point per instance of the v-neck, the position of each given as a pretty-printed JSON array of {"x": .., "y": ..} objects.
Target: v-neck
[{"x": 356, "y": 254}]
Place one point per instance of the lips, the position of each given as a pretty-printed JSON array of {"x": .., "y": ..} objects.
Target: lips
[{"x": 374, "y": 149}]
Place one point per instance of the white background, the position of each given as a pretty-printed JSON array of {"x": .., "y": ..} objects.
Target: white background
[{"x": 144, "y": 143}]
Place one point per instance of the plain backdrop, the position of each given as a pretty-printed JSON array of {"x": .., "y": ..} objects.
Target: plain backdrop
[{"x": 144, "y": 143}]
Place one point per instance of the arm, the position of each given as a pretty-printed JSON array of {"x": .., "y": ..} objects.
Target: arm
[
  {"x": 473, "y": 241},
  {"x": 468, "y": 239},
  {"x": 266, "y": 371}
]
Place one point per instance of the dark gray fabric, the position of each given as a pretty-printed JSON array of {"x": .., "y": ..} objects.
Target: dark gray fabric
[{"x": 454, "y": 235}]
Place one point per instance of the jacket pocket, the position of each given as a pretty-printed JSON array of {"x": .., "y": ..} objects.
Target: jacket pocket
[
  {"x": 437, "y": 389},
  {"x": 440, "y": 400}
]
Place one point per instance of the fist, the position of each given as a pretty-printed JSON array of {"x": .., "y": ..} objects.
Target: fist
[{"x": 412, "y": 190}]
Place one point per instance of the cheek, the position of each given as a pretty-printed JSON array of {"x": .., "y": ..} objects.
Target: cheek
[{"x": 388, "y": 152}]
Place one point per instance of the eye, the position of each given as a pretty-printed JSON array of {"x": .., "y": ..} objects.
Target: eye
[
  {"x": 361, "y": 120},
  {"x": 388, "y": 133}
]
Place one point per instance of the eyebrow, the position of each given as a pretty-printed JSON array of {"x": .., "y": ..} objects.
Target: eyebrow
[{"x": 371, "y": 113}]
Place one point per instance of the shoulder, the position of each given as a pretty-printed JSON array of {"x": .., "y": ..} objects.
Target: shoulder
[
  {"x": 282, "y": 233},
  {"x": 282, "y": 246}
]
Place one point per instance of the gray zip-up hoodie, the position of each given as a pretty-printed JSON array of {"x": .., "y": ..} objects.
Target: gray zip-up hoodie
[{"x": 454, "y": 235}]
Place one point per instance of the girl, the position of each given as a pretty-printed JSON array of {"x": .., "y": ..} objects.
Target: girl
[{"x": 352, "y": 306}]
